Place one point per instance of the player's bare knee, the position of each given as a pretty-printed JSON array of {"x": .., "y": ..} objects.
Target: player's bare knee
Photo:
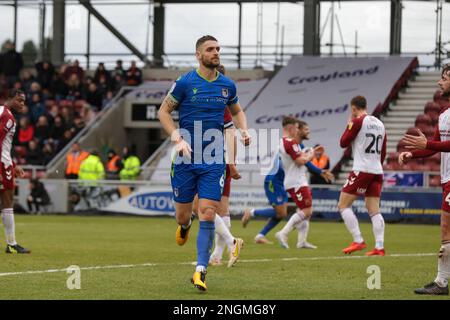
[
  {"x": 207, "y": 213},
  {"x": 182, "y": 217}
]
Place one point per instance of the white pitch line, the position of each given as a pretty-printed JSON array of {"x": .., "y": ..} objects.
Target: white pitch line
[{"x": 128, "y": 266}]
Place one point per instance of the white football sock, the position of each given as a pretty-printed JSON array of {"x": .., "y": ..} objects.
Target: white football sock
[
  {"x": 443, "y": 265},
  {"x": 378, "y": 230},
  {"x": 351, "y": 222},
  {"x": 223, "y": 231},
  {"x": 200, "y": 269},
  {"x": 227, "y": 220},
  {"x": 302, "y": 228},
  {"x": 296, "y": 218},
  {"x": 219, "y": 246},
  {"x": 8, "y": 224}
]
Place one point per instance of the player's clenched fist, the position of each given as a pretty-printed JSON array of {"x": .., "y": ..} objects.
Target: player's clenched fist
[{"x": 404, "y": 157}]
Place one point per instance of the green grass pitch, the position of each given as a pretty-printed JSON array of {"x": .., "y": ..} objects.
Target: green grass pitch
[{"x": 137, "y": 258}]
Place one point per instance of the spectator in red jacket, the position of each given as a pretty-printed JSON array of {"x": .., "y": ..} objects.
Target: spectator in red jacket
[
  {"x": 134, "y": 75},
  {"x": 26, "y": 131},
  {"x": 74, "y": 69}
]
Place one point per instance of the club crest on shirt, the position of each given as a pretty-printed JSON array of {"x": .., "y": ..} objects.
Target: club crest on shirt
[
  {"x": 350, "y": 125},
  {"x": 296, "y": 148},
  {"x": 225, "y": 93}
]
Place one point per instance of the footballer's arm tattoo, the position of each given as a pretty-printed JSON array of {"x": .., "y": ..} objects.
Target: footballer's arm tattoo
[{"x": 165, "y": 117}]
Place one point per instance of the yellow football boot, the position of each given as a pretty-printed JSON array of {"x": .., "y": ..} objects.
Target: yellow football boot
[{"x": 199, "y": 280}]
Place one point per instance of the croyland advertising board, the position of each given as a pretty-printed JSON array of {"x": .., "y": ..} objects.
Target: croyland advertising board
[{"x": 318, "y": 91}]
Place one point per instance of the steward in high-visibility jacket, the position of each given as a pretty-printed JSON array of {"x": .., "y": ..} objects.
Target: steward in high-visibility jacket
[
  {"x": 131, "y": 167},
  {"x": 74, "y": 159},
  {"x": 92, "y": 168},
  {"x": 113, "y": 166}
]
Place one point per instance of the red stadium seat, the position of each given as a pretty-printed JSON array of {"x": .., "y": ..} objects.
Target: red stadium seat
[
  {"x": 435, "y": 158},
  {"x": 40, "y": 174},
  {"x": 66, "y": 103},
  {"x": 49, "y": 104},
  {"x": 27, "y": 174},
  {"x": 419, "y": 167},
  {"x": 20, "y": 151},
  {"x": 405, "y": 167},
  {"x": 434, "y": 181},
  {"x": 435, "y": 166},
  {"x": 391, "y": 166},
  {"x": 392, "y": 157}
]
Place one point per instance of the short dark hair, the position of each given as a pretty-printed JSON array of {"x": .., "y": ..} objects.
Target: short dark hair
[
  {"x": 14, "y": 93},
  {"x": 301, "y": 124},
  {"x": 221, "y": 68},
  {"x": 289, "y": 120},
  {"x": 203, "y": 39},
  {"x": 446, "y": 68},
  {"x": 359, "y": 102}
]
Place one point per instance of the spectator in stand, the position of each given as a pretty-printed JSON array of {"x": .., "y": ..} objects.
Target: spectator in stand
[
  {"x": 54, "y": 111},
  {"x": 18, "y": 86},
  {"x": 58, "y": 128},
  {"x": 74, "y": 159},
  {"x": 134, "y": 75},
  {"x": 59, "y": 87},
  {"x": 78, "y": 125},
  {"x": 117, "y": 83},
  {"x": 102, "y": 75},
  {"x": 74, "y": 69},
  {"x": 67, "y": 114},
  {"x": 108, "y": 98},
  {"x": 113, "y": 166},
  {"x": 35, "y": 88},
  {"x": 38, "y": 196},
  {"x": 94, "y": 97},
  {"x": 34, "y": 154},
  {"x": 118, "y": 69},
  {"x": 27, "y": 79},
  {"x": 321, "y": 161},
  {"x": 26, "y": 131},
  {"x": 45, "y": 72},
  {"x": 48, "y": 151},
  {"x": 67, "y": 136},
  {"x": 42, "y": 130},
  {"x": 74, "y": 88},
  {"x": 11, "y": 62},
  {"x": 87, "y": 113},
  {"x": 37, "y": 107},
  {"x": 131, "y": 164}
]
